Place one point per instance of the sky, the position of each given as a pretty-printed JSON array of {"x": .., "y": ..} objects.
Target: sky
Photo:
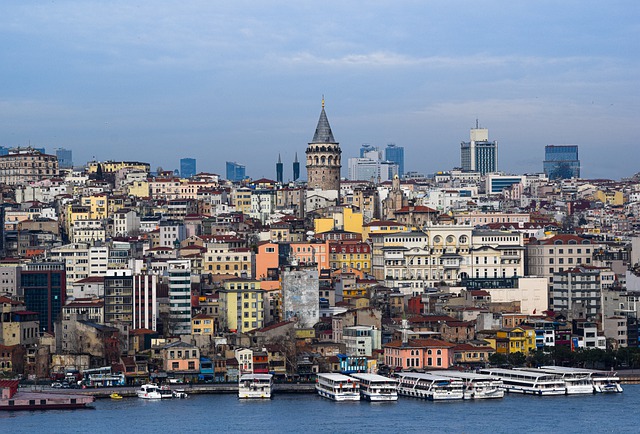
[{"x": 243, "y": 81}]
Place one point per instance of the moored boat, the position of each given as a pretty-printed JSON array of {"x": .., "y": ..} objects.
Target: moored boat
[
  {"x": 153, "y": 391},
  {"x": 376, "y": 387},
  {"x": 115, "y": 395},
  {"x": 477, "y": 386},
  {"x": 11, "y": 399},
  {"x": 429, "y": 386},
  {"x": 255, "y": 386},
  {"x": 528, "y": 382},
  {"x": 338, "y": 387}
]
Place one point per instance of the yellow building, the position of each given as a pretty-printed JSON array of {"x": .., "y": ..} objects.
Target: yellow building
[
  {"x": 138, "y": 189},
  {"x": 513, "y": 340},
  {"x": 73, "y": 213},
  {"x": 610, "y": 197},
  {"x": 242, "y": 305},
  {"x": 343, "y": 256},
  {"x": 241, "y": 199},
  {"x": 97, "y": 205},
  {"x": 343, "y": 219},
  {"x": 222, "y": 260},
  {"x": 382, "y": 227},
  {"x": 114, "y": 166},
  {"x": 203, "y": 324}
]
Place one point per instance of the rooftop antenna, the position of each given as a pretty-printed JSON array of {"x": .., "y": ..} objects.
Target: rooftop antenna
[{"x": 477, "y": 124}]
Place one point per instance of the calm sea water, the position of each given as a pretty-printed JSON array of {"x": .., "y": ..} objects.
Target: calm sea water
[{"x": 309, "y": 413}]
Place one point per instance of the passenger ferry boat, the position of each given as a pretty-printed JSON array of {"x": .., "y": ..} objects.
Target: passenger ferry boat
[
  {"x": 153, "y": 391},
  {"x": 477, "y": 386},
  {"x": 257, "y": 386},
  {"x": 429, "y": 386},
  {"x": 338, "y": 387},
  {"x": 577, "y": 382},
  {"x": 376, "y": 387},
  {"x": 599, "y": 381},
  {"x": 528, "y": 382}
]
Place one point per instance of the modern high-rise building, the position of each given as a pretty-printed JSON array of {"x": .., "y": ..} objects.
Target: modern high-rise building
[
  {"x": 187, "y": 167},
  {"x": 279, "y": 170},
  {"x": 235, "y": 172},
  {"x": 479, "y": 154},
  {"x": 65, "y": 158},
  {"x": 323, "y": 157},
  {"x": 44, "y": 288},
  {"x": 365, "y": 148},
  {"x": 296, "y": 168},
  {"x": 395, "y": 154},
  {"x": 179, "y": 274},
  {"x": 561, "y": 161}
]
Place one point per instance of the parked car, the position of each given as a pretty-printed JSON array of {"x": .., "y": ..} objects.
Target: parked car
[{"x": 56, "y": 385}]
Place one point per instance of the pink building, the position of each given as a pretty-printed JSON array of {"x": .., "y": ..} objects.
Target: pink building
[{"x": 419, "y": 354}]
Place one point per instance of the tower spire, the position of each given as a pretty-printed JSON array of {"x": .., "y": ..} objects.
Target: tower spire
[{"x": 323, "y": 100}]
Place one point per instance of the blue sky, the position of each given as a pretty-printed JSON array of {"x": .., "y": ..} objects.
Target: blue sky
[{"x": 242, "y": 81}]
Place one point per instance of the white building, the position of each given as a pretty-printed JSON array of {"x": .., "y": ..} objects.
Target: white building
[
  {"x": 301, "y": 302},
  {"x": 179, "y": 276},
  {"x": 125, "y": 222},
  {"x": 361, "y": 340}
]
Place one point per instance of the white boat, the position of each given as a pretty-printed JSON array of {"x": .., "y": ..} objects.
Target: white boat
[
  {"x": 338, "y": 387},
  {"x": 477, "y": 386},
  {"x": 180, "y": 394},
  {"x": 257, "y": 386},
  {"x": 576, "y": 381},
  {"x": 153, "y": 391},
  {"x": 429, "y": 386},
  {"x": 528, "y": 382},
  {"x": 376, "y": 387},
  {"x": 601, "y": 381}
]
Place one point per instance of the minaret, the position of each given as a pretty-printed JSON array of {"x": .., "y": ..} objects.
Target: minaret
[
  {"x": 323, "y": 157},
  {"x": 279, "y": 170},
  {"x": 296, "y": 168}
]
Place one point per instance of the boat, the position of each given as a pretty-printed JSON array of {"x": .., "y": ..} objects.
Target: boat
[
  {"x": 180, "y": 394},
  {"x": 528, "y": 382},
  {"x": 115, "y": 395},
  {"x": 12, "y": 399},
  {"x": 599, "y": 381},
  {"x": 576, "y": 381},
  {"x": 477, "y": 386},
  {"x": 153, "y": 391},
  {"x": 255, "y": 386},
  {"x": 376, "y": 387},
  {"x": 338, "y": 387},
  {"x": 429, "y": 386}
]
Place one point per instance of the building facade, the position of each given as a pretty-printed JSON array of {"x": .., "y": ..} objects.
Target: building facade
[
  {"x": 479, "y": 154},
  {"x": 561, "y": 162}
]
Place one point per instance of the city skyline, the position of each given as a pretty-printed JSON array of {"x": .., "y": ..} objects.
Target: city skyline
[{"x": 155, "y": 82}]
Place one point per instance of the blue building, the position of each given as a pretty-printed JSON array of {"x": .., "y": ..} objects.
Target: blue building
[
  {"x": 65, "y": 158},
  {"x": 561, "y": 161},
  {"x": 479, "y": 154},
  {"x": 235, "y": 172},
  {"x": 187, "y": 167},
  {"x": 395, "y": 154}
]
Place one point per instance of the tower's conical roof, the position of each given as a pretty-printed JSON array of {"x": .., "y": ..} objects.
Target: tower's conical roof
[{"x": 323, "y": 130}]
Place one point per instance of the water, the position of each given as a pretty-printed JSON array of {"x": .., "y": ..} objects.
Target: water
[{"x": 309, "y": 413}]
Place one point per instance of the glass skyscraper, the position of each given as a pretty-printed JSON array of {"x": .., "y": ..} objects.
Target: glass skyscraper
[
  {"x": 65, "y": 159},
  {"x": 187, "y": 167},
  {"x": 235, "y": 172},
  {"x": 395, "y": 154},
  {"x": 561, "y": 161}
]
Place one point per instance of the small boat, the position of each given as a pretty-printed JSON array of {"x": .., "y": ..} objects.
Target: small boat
[
  {"x": 153, "y": 391},
  {"x": 180, "y": 393},
  {"x": 115, "y": 395}
]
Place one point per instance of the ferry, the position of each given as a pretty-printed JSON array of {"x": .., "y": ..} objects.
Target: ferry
[
  {"x": 376, "y": 387},
  {"x": 153, "y": 391},
  {"x": 255, "y": 386},
  {"x": 12, "y": 399},
  {"x": 338, "y": 387},
  {"x": 430, "y": 386},
  {"x": 600, "y": 381},
  {"x": 477, "y": 386},
  {"x": 527, "y": 382},
  {"x": 576, "y": 382}
]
